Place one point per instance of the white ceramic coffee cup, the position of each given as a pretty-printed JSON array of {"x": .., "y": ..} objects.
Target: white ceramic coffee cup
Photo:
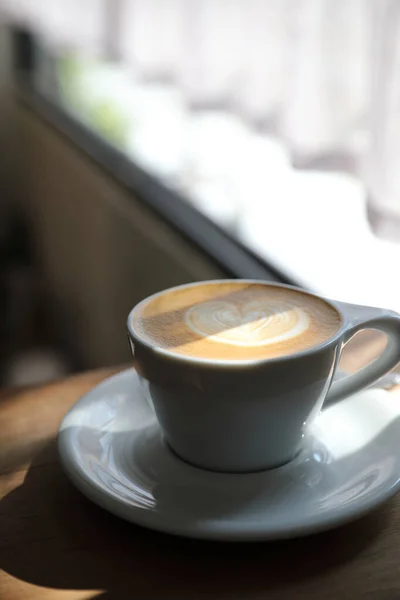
[{"x": 243, "y": 416}]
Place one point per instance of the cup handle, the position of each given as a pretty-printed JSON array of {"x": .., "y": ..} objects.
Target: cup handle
[{"x": 365, "y": 317}]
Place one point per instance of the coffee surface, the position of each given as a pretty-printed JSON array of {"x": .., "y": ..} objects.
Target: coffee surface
[{"x": 235, "y": 321}]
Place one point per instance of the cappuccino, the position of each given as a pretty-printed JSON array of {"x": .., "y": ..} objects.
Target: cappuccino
[{"x": 234, "y": 321}]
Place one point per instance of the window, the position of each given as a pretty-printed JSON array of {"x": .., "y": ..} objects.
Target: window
[{"x": 279, "y": 122}]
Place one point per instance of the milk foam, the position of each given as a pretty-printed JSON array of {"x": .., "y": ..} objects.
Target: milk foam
[
  {"x": 256, "y": 323},
  {"x": 235, "y": 320}
]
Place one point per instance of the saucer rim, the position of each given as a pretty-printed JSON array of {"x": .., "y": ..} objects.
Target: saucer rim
[{"x": 206, "y": 530}]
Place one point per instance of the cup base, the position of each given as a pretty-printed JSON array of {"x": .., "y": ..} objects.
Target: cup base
[{"x": 225, "y": 470}]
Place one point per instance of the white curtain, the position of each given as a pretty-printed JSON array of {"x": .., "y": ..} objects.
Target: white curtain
[
  {"x": 326, "y": 99},
  {"x": 264, "y": 30},
  {"x": 78, "y": 24},
  {"x": 151, "y": 37},
  {"x": 213, "y": 62}
]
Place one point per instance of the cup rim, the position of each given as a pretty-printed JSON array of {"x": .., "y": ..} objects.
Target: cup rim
[{"x": 211, "y": 362}]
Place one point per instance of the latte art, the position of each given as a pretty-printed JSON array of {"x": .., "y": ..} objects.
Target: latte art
[
  {"x": 234, "y": 320},
  {"x": 257, "y": 323}
]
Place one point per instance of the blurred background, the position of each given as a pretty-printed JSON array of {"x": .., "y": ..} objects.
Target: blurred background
[{"x": 148, "y": 143}]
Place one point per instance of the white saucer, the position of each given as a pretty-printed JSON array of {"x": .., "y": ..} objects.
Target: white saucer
[{"x": 112, "y": 449}]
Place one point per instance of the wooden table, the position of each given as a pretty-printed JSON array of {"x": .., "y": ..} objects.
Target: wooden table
[{"x": 56, "y": 544}]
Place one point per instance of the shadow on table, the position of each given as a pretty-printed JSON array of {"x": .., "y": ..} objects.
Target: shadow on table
[{"x": 55, "y": 538}]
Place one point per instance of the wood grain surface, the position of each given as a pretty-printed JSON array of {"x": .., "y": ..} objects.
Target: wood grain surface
[{"x": 55, "y": 544}]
